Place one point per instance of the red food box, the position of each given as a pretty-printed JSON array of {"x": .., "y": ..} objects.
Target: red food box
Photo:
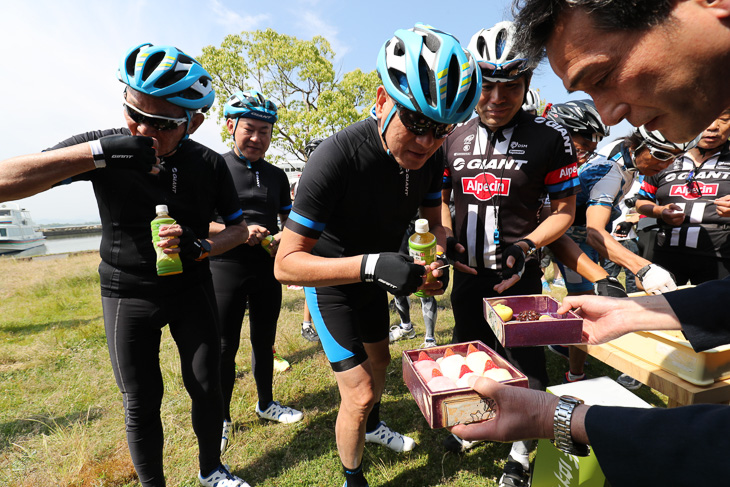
[
  {"x": 461, "y": 405},
  {"x": 560, "y": 329}
]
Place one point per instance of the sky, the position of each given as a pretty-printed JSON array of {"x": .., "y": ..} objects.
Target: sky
[{"x": 60, "y": 60}]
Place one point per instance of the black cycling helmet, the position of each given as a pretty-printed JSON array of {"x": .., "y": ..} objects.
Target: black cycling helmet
[
  {"x": 311, "y": 145},
  {"x": 580, "y": 117}
]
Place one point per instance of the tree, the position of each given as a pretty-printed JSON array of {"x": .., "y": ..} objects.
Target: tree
[{"x": 299, "y": 77}]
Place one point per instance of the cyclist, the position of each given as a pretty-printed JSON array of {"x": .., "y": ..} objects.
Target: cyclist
[
  {"x": 243, "y": 277},
  {"x": 150, "y": 162},
  {"x": 499, "y": 166},
  {"x": 356, "y": 197},
  {"x": 605, "y": 180},
  {"x": 693, "y": 241}
]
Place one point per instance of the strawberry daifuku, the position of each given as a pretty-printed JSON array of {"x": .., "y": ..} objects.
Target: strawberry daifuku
[{"x": 440, "y": 383}]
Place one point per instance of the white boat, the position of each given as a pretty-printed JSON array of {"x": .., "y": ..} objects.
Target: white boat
[{"x": 17, "y": 229}]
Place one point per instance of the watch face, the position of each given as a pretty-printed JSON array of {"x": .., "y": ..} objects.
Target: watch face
[{"x": 572, "y": 399}]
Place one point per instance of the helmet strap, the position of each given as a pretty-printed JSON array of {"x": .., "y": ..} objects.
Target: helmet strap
[
  {"x": 238, "y": 150},
  {"x": 386, "y": 123}
]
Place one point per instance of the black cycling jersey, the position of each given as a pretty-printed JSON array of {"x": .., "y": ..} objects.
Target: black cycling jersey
[
  {"x": 703, "y": 231},
  {"x": 263, "y": 193},
  {"x": 356, "y": 199},
  {"x": 194, "y": 184},
  {"x": 499, "y": 179}
]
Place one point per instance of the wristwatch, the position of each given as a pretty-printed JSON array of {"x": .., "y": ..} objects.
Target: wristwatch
[
  {"x": 531, "y": 248},
  {"x": 561, "y": 427},
  {"x": 204, "y": 246}
]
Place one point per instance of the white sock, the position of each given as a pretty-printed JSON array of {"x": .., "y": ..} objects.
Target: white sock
[
  {"x": 406, "y": 326},
  {"x": 520, "y": 453},
  {"x": 307, "y": 324}
]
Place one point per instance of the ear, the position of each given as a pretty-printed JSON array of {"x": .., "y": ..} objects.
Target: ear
[
  {"x": 197, "y": 120},
  {"x": 719, "y": 8},
  {"x": 230, "y": 125},
  {"x": 381, "y": 97}
]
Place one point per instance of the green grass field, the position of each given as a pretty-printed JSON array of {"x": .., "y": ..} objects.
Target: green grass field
[{"x": 62, "y": 423}]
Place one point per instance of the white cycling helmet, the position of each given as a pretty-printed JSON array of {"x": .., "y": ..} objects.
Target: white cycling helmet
[
  {"x": 655, "y": 139},
  {"x": 532, "y": 100},
  {"x": 497, "y": 55}
]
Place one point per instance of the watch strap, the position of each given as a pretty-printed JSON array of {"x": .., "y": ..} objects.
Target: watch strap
[
  {"x": 531, "y": 246},
  {"x": 204, "y": 246},
  {"x": 561, "y": 427}
]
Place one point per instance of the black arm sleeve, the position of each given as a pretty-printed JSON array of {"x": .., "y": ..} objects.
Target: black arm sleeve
[
  {"x": 683, "y": 446},
  {"x": 701, "y": 313}
]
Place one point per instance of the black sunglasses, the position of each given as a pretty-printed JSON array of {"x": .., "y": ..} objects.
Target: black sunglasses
[
  {"x": 157, "y": 122},
  {"x": 420, "y": 125}
]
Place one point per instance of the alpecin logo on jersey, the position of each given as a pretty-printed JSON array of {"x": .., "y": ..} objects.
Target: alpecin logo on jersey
[
  {"x": 694, "y": 190},
  {"x": 484, "y": 186}
]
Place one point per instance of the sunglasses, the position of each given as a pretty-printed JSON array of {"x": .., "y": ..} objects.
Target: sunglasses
[
  {"x": 659, "y": 154},
  {"x": 508, "y": 69},
  {"x": 157, "y": 122},
  {"x": 420, "y": 125}
]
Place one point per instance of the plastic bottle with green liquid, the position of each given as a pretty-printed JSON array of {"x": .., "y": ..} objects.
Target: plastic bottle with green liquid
[
  {"x": 167, "y": 264},
  {"x": 422, "y": 246}
]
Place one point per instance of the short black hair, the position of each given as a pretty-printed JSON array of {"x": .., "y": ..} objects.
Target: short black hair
[{"x": 535, "y": 20}]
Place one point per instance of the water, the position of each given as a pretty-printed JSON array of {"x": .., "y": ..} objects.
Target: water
[{"x": 61, "y": 245}]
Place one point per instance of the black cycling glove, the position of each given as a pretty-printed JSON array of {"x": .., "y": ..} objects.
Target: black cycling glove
[
  {"x": 623, "y": 228},
  {"x": 124, "y": 152},
  {"x": 518, "y": 267},
  {"x": 190, "y": 246},
  {"x": 609, "y": 286},
  {"x": 394, "y": 272},
  {"x": 452, "y": 254},
  {"x": 445, "y": 274}
]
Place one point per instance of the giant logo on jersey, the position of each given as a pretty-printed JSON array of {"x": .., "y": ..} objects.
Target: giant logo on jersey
[
  {"x": 484, "y": 186},
  {"x": 694, "y": 190}
]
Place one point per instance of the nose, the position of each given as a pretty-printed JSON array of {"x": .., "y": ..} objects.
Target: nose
[
  {"x": 425, "y": 140},
  {"x": 497, "y": 93},
  {"x": 146, "y": 130},
  {"x": 612, "y": 111}
]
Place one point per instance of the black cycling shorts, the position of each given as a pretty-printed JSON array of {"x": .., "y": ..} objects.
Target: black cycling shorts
[{"x": 347, "y": 316}]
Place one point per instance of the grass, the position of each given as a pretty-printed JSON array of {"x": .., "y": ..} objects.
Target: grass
[{"x": 62, "y": 423}]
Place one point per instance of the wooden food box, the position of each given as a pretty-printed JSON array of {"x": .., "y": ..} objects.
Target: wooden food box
[
  {"x": 454, "y": 406},
  {"x": 560, "y": 329},
  {"x": 670, "y": 351}
]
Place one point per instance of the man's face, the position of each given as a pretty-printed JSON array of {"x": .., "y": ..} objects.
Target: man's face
[
  {"x": 717, "y": 133},
  {"x": 649, "y": 165},
  {"x": 167, "y": 140},
  {"x": 500, "y": 102},
  {"x": 252, "y": 136},
  {"x": 411, "y": 151},
  {"x": 584, "y": 147},
  {"x": 668, "y": 78}
]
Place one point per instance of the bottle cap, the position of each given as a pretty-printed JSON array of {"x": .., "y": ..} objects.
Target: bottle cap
[
  {"x": 421, "y": 225},
  {"x": 161, "y": 209}
]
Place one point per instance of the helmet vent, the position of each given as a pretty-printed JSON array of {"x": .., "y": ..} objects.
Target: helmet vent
[
  {"x": 170, "y": 78},
  {"x": 131, "y": 61},
  {"x": 151, "y": 64}
]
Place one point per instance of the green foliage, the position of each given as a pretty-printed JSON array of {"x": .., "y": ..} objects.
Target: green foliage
[{"x": 299, "y": 76}]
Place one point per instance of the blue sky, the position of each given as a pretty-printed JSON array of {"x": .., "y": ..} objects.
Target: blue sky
[{"x": 60, "y": 60}]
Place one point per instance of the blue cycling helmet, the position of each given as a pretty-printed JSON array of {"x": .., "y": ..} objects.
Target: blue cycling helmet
[
  {"x": 427, "y": 71},
  {"x": 250, "y": 104},
  {"x": 166, "y": 72}
]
